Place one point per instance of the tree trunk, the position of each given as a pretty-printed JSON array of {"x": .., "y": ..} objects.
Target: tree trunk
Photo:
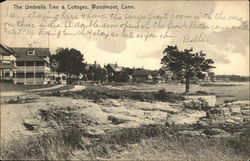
[
  {"x": 187, "y": 83},
  {"x": 187, "y": 86}
]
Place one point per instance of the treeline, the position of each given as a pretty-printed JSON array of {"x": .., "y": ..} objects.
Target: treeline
[{"x": 233, "y": 78}]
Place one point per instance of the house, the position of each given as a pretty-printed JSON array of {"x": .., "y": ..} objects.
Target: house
[
  {"x": 56, "y": 77},
  {"x": 31, "y": 66},
  {"x": 142, "y": 76},
  {"x": 7, "y": 63},
  {"x": 115, "y": 72},
  {"x": 94, "y": 72},
  {"x": 113, "y": 69},
  {"x": 166, "y": 74}
]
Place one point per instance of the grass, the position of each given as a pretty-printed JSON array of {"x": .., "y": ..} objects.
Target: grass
[
  {"x": 58, "y": 145},
  {"x": 152, "y": 142},
  {"x": 218, "y": 85}
]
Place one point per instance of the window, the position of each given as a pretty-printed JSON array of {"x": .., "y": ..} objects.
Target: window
[
  {"x": 7, "y": 74},
  {"x": 39, "y": 63},
  {"x": 19, "y": 75},
  {"x": 29, "y": 75},
  {"x": 20, "y": 63},
  {"x": 31, "y": 52},
  {"x": 39, "y": 75},
  {"x": 29, "y": 63}
]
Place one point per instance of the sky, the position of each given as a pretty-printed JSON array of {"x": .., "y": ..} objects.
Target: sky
[{"x": 228, "y": 48}]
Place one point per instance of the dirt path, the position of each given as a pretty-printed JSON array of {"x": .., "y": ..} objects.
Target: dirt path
[
  {"x": 11, "y": 93},
  {"x": 44, "y": 89},
  {"x": 76, "y": 88}
]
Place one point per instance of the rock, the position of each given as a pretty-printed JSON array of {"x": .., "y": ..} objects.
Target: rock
[
  {"x": 191, "y": 133},
  {"x": 30, "y": 124},
  {"x": 237, "y": 118},
  {"x": 235, "y": 109},
  {"x": 217, "y": 131},
  {"x": 210, "y": 100},
  {"x": 92, "y": 132},
  {"x": 116, "y": 120},
  {"x": 230, "y": 121},
  {"x": 23, "y": 99},
  {"x": 185, "y": 117},
  {"x": 196, "y": 104},
  {"x": 215, "y": 113}
]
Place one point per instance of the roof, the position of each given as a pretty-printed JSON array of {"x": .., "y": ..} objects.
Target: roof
[
  {"x": 154, "y": 72},
  {"x": 6, "y": 66},
  {"x": 39, "y": 55},
  {"x": 115, "y": 67},
  {"x": 141, "y": 72},
  {"x": 87, "y": 66},
  {"x": 5, "y": 50}
]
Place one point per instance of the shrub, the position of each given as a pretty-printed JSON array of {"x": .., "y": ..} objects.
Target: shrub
[
  {"x": 56, "y": 93},
  {"x": 164, "y": 96}
]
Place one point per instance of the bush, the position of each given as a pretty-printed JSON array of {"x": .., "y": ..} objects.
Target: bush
[
  {"x": 56, "y": 93},
  {"x": 104, "y": 93},
  {"x": 164, "y": 96}
]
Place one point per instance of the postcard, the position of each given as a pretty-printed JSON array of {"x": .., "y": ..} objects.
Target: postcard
[{"x": 124, "y": 80}]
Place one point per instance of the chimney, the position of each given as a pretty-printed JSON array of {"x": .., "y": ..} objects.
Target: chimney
[{"x": 95, "y": 62}]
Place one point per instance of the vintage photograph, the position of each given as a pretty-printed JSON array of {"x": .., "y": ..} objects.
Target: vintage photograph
[{"x": 125, "y": 80}]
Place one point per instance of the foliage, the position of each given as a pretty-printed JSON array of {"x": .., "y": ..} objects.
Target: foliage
[
  {"x": 106, "y": 93},
  {"x": 164, "y": 96},
  {"x": 69, "y": 61},
  {"x": 186, "y": 61}
]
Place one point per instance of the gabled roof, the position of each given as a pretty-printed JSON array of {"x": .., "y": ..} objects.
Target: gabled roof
[
  {"x": 115, "y": 67},
  {"x": 5, "y": 50},
  {"x": 39, "y": 55}
]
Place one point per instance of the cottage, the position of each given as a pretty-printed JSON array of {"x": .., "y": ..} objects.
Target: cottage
[
  {"x": 115, "y": 72},
  {"x": 113, "y": 68},
  {"x": 94, "y": 72},
  {"x": 7, "y": 66},
  {"x": 32, "y": 66},
  {"x": 142, "y": 76}
]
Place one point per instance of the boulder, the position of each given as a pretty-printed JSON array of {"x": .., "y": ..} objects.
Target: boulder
[
  {"x": 217, "y": 131},
  {"x": 230, "y": 121},
  {"x": 116, "y": 120},
  {"x": 194, "y": 104},
  {"x": 30, "y": 124},
  {"x": 191, "y": 133},
  {"x": 92, "y": 132},
  {"x": 210, "y": 100},
  {"x": 215, "y": 113}
]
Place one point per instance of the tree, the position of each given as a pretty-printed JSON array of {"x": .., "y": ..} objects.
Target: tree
[
  {"x": 69, "y": 62},
  {"x": 187, "y": 62}
]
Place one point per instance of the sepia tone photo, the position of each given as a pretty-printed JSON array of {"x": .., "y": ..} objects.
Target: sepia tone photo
[{"x": 125, "y": 80}]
